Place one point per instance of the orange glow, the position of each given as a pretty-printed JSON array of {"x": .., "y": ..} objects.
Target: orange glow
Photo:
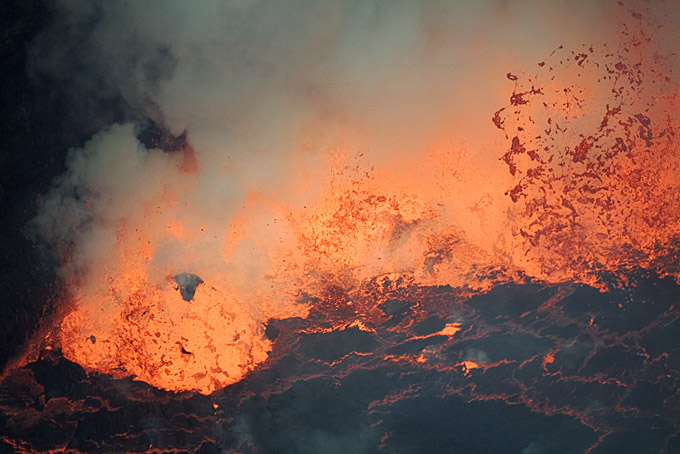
[{"x": 204, "y": 344}]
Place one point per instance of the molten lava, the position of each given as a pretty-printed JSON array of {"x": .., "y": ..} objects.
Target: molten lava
[{"x": 594, "y": 156}]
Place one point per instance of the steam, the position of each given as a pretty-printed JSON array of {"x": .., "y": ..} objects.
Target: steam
[
  {"x": 266, "y": 93},
  {"x": 291, "y": 110}
]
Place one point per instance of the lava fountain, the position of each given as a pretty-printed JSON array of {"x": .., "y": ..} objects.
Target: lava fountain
[{"x": 280, "y": 182}]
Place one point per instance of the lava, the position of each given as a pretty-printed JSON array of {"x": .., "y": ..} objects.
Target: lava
[
  {"x": 594, "y": 155},
  {"x": 468, "y": 275}
]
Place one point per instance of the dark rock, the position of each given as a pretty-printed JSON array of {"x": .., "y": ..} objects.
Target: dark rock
[{"x": 186, "y": 284}]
